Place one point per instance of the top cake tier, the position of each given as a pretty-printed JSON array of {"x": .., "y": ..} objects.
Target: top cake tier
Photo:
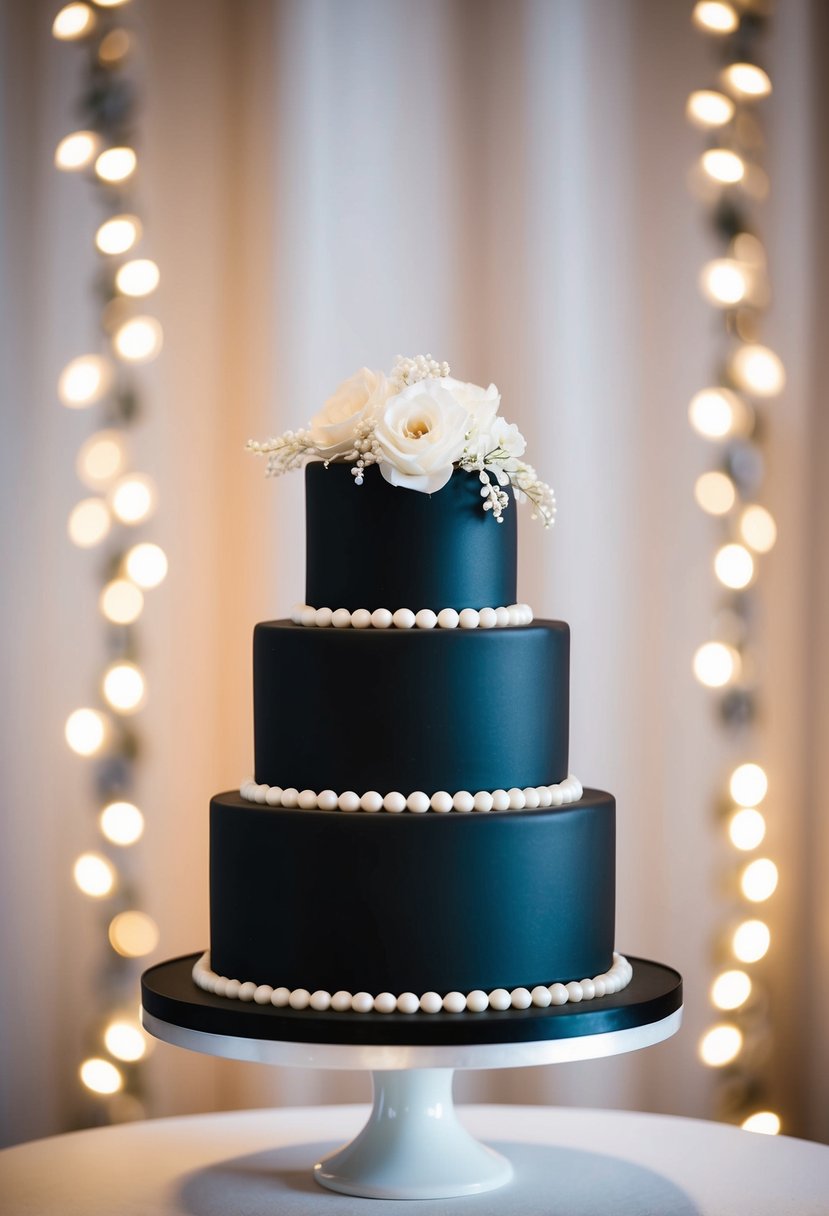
[{"x": 380, "y": 546}]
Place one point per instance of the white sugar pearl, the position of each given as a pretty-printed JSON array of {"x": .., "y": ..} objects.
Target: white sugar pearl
[
  {"x": 274, "y": 795},
  {"x": 454, "y": 1002},
  {"x": 280, "y": 997},
  {"x": 407, "y": 1002},
  {"x": 558, "y": 994},
  {"x": 320, "y": 1000},
  {"x": 327, "y": 800},
  {"x": 579, "y": 789},
  {"x": 309, "y": 617},
  {"x": 247, "y": 991},
  {"x": 514, "y": 613},
  {"x": 516, "y": 799},
  {"x": 341, "y": 618},
  {"x": 360, "y": 618},
  {"x": 349, "y": 801},
  {"x": 574, "y": 992},
  {"x": 263, "y": 994},
  {"x": 588, "y": 989},
  {"x": 404, "y": 618},
  {"x": 599, "y": 986},
  {"x": 246, "y": 789},
  {"x": 441, "y": 801},
  {"x": 394, "y": 802},
  {"x": 531, "y": 797},
  {"x": 499, "y": 999},
  {"x": 431, "y": 1002},
  {"x": 544, "y": 795},
  {"x": 520, "y": 998},
  {"x": 555, "y": 795},
  {"x": 502, "y": 617},
  {"x": 307, "y": 799},
  {"x": 341, "y": 1001},
  {"x": 300, "y": 998},
  {"x": 426, "y": 619},
  {"x": 487, "y": 618},
  {"x": 296, "y": 613},
  {"x": 290, "y": 797},
  {"x": 220, "y": 986},
  {"x": 381, "y": 618},
  {"x": 323, "y": 618},
  {"x": 371, "y": 801},
  {"x": 482, "y": 801},
  {"x": 384, "y": 1002},
  {"x": 463, "y": 801},
  {"x": 362, "y": 1002},
  {"x": 526, "y": 614},
  {"x": 500, "y": 800},
  {"x": 541, "y": 996},
  {"x": 448, "y": 618},
  {"x": 477, "y": 1001},
  {"x": 261, "y": 793},
  {"x": 469, "y": 618},
  {"x": 232, "y": 988},
  {"x": 418, "y": 802}
]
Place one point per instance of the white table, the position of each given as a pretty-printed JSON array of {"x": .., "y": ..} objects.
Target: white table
[{"x": 567, "y": 1162}]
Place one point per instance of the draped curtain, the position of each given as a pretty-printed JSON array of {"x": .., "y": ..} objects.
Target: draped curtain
[{"x": 328, "y": 184}]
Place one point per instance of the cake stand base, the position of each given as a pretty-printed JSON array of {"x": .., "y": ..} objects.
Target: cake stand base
[{"x": 412, "y": 1146}]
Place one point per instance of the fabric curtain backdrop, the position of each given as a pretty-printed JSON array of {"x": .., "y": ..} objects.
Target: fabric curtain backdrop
[{"x": 329, "y": 184}]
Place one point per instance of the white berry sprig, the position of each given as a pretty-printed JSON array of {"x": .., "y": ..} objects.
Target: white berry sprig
[
  {"x": 421, "y": 367},
  {"x": 284, "y": 452}
]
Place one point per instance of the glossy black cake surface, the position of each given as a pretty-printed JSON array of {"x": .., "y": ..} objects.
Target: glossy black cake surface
[{"x": 411, "y": 903}]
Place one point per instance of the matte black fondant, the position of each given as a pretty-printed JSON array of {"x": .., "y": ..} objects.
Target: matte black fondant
[
  {"x": 381, "y": 546},
  {"x": 388, "y": 709},
  {"x": 411, "y": 903}
]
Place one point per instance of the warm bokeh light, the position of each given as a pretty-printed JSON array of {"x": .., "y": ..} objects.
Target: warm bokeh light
[
  {"x": 101, "y": 1076},
  {"x": 716, "y": 413},
  {"x": 110, "y": 3},
  {"x": 723, "y": 165},
  {"x": 734, "y": 566},
  {"x": 746, "y": 828},
  {"x": 715, "y": 16},
  {"x": 121, "y": 601},
  {"x": 748, "y": 785},
  {"x": 751, "y": 941},
  {"x": 101, "y": 458},
  {"x": 730, "y": 990},
  {"x": 137, "y": 278},
  {"x": 94, "y": 875},
  {"x": 75, "y": 151},
  {"x": 124, "y": 687},
  {"x": 723, "y": 282},
  {"x": 146, "y": 565},
  {"x": 122, "y": 823},
  {"x": 133, "y": 498},
  {"x": 720, "y": 1045},
  {"x": 716, "y": 664},
  {"x": 746, "y": 80},
  {"x": 125, "y": 1040},
  {"x": 118, "y": 234},
  {"x": 758, "y": 881},
  {"x": 116, "y": 164},
  {"x": 758, "y": 370},
  {"x": 114, "y": 46},
  {"x": 84, "y": 381},
  {"x": 73, "y": 21},
  {"x": 133, "y": 934},
  {"x": 766, "y": 1122},
  {"x": 708, "y": 108},
  {"x": 715, "y": 493},
  {"x": 757, "y": 528},
  {"x": 89, "y": 522},
  {"x": 139, "y": 339},
  {"x": 85, "y": 731}
]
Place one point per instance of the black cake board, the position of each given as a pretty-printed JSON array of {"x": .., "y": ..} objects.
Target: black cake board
[{"x": 170, "y": 995}]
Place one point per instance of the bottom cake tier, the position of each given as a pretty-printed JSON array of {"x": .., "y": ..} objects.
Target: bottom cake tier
[{"x": 317, "y": 900}]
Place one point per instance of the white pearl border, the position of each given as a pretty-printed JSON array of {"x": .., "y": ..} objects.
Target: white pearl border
[
  {"x": 566, "y": 792},
  {"x": 543, "y": 995},
  {"x": 406, "y": 618}
]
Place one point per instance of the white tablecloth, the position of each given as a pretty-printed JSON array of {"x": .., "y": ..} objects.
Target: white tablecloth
[{"x": 567, "y": 1163}]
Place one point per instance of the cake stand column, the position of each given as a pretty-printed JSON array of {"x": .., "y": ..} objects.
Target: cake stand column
[{"x": 412, "y": 1146}]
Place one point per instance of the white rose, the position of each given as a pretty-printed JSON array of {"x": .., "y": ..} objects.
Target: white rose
[
  {"x": 421, "y": 433},
  {"x": 481, "y": 403},
  {"x": 356, "y": 400}
]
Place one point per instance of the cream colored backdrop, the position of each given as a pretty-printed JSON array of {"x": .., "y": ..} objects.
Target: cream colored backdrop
[{"x": 328, "y": 184}]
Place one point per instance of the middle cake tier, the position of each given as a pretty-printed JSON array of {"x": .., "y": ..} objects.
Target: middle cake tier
[{"x": 405, "y": 710}]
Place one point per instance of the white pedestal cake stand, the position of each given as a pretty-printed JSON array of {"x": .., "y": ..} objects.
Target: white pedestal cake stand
[{"x": 412, "y": 1146}]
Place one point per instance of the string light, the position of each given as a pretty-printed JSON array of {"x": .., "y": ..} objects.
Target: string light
[
  {"x": 73, "y": 21},
  {"x": 716, "y": 413},
  {"x": 101, "y": 1076},
  {"x": 114, "y": 46},
  {"x": 707, "y": 108},
  {"x": 125, "y": 1041},
  {"x": 746, "y": 828},
  {"x": 716, "y": 664},
  {"x": 758, "y": 370},
  {"x": 766, "y": 1122},
  {"x": 84, "y": 381},
  {"x": 116, "y": 164},
  {"x": 124, "y": 687},
  {"x": 723, "y": 282},
  {"x": 721, "y": 1045},
  {"x": 723, "y": 165},
  {"x": 133, "y": 498},
  {"x": 122, "y": 823},
  {"x": 139, "y": 339},
  {"x": 86, "y": 731},
  {"x": 146, "y": 565},
  {"x": 758, "y": 880},
  {"x": 715, "y": 16},
  {"x": 75, "y": 151},
  {"x": 715, "y": 493},
  {"x": 734, "y": 566},
  {"x": 751, "y": 941},
  {"x": 89, "y": 523},
  {"x": 133, "y": 934},
  {"x": 100, "y": 459},
  {"x": 730, "y": 990},
  {"x": 757, "y": 528},
  {"x": 118, "y": 234},
  {"x": 121, "y": 601},
  {"x": 137, "y": 278},
  {"x": 746, "y": 80},
  {"x": 94, "y": 875},
  {"x": 748, "y": 785}
]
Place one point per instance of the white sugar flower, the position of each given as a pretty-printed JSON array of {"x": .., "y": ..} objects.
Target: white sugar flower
[
  {"x": 420, "y": 433},
  {"x": 480, "y": 403},
  {"x": 356, "y": 401}
]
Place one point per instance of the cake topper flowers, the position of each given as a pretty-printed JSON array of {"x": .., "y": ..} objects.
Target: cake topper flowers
[{"x": 418, "y": 425}]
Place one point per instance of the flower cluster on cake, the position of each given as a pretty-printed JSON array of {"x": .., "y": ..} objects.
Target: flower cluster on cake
[{"x": 417, "y": 424}]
